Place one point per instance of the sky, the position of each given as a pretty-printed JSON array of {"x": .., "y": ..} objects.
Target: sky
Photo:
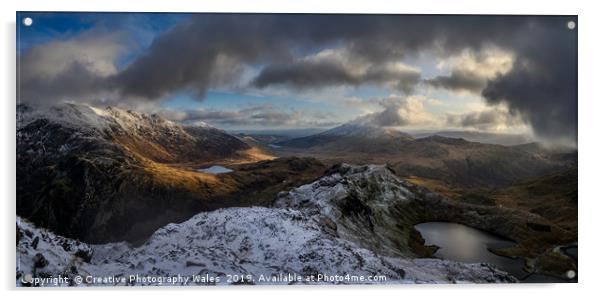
[{"x": 506, "y": 74}]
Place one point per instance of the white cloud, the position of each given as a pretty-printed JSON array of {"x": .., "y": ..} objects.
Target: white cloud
[
  {"x": 470, "y": 70},
  {"x": 400, "y": 111},
  {"x": 485, "y": 64}
]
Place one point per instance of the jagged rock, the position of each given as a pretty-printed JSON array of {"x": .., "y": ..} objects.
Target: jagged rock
[
  {"x": 39, "y": 261},
  {"x": 85, "y": 255},
  {"x": 34, "y": 243},
  {"x": 194, "y": 264}
]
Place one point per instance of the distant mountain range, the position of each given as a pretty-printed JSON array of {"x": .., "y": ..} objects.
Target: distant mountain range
[
  {"x": 483, "y": 137},
  {"x": 352, "y": 137},
  {"x": 454, "y": 160},
  {"x": 473, "y": 136}
]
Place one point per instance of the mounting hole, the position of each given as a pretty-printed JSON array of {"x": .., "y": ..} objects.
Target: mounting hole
[
  {"x": 571, "y": 25},
  {"x": 571, "y": 274},
  {"x": 27, "y": 21},
  {"x": 28, "y": 278}
]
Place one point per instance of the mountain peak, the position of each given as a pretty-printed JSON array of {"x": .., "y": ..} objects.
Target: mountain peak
[
  {"x": 87, "y": 116},
  {"x": 351, "y": 135},
  {"x": 353, "y": 129}
]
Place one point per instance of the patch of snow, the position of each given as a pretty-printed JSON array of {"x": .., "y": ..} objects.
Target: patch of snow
[
  {"x": 72, "y": 115},
  {"x": 199, "y": 123}
]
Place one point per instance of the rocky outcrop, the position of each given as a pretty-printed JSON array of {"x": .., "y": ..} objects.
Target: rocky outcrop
[{"x": 369, "y": 205}]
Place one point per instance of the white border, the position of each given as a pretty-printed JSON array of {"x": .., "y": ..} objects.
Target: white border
[{"x": 589, "y": 138}]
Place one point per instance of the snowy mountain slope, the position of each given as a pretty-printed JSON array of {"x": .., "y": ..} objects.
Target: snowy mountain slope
[
  {"x": 149, "y": 136},
  {"x": 258, "y": 243}
]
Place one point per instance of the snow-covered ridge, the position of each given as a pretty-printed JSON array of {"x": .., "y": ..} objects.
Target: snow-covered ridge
[
  {"x": 150, "y": 136},
  {"x": 86, "y": 116},
  {"x": 197, "y": 123},
  {"x": 302, "y": 239}
]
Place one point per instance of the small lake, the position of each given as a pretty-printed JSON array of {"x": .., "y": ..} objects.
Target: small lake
[
  {"x": 462, "y": 243},
  {"x": 215, "y": 169}
]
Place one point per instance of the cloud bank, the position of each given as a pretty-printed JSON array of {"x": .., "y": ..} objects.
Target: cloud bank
[
  {"x": 209, "y": 50},
  {"x": 250, "y": 116},
  {"x": 493, "y": 119}
]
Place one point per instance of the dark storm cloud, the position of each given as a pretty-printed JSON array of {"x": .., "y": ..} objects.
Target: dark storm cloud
[
  {"x": 306, "y": 75},
  {"x": 542, "y": 84},
  {"x": 483, "y": 120},
  {"x": 72, "y": 83},
  {"x": 316, "y": 74},
  {"x": 459, "y": 81},
  {"x": 186, "y": 56},
  {"x": 208, "y": 49}
]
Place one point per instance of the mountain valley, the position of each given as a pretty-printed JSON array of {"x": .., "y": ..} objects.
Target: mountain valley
[{"x": 119, "y": 179}]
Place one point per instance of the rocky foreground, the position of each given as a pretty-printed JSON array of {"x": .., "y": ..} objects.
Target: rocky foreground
[{"x": 338, "y": 229}]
